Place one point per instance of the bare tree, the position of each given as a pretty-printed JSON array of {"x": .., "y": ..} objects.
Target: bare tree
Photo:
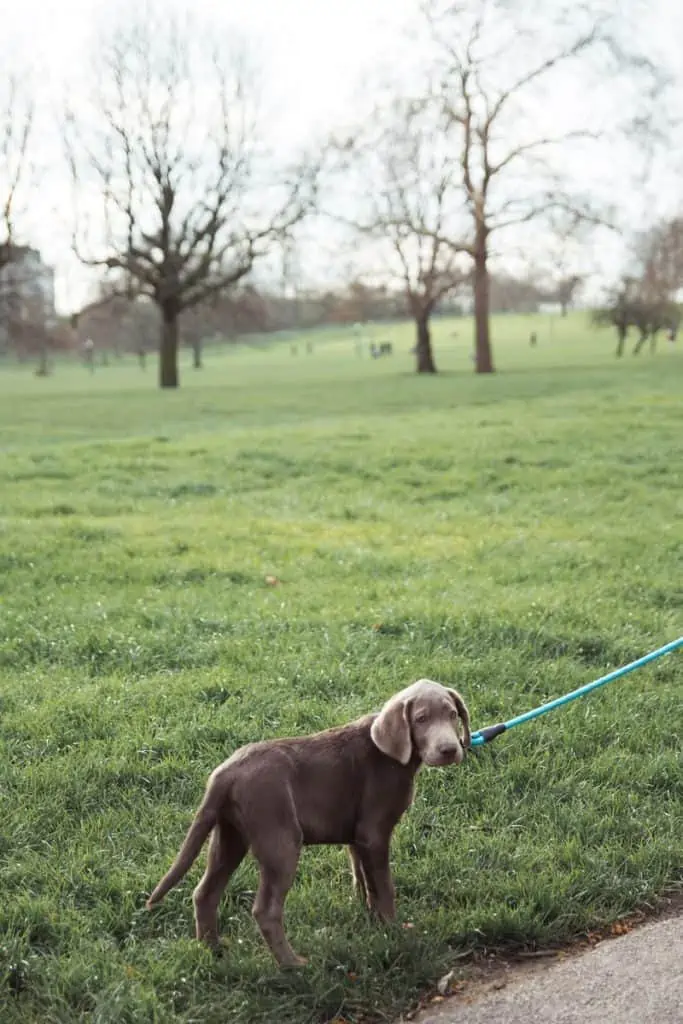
[
  {"x": 659, "y": 283},
  {"x": 660, "y": 254},
  {"x": 561, "y": 258},
  {"x": 16, "y": 125},
  {"x": 620, "y": 312},
  {"x": 188, "y": 196},
  {"x": 511, "y": 294},
  {"x": 202, "y": 322},
  {"x": 409, "y": 210},
  {"x": 565, "y": 290},
  {"x": 498, "y": 73},
  {"x": 634, "y": 303},
  {"x": 113, "y": 323},
  {"x": 647, "y": 297}
]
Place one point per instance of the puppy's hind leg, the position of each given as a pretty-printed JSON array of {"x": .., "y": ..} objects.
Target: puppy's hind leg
[
  {"x": 269, "y": 822},
  {"x": 278, "y": 861},
  {"x": 226, "y": 852}
]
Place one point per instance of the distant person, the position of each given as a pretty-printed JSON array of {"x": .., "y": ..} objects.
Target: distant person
[
  {"x": 89, "y": 354},
  {"x": 533, "y": 339}
]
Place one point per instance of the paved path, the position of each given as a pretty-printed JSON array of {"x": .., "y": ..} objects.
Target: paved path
[{"x": 638, "y": 977}]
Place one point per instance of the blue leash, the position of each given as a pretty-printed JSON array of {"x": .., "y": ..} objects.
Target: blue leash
[{"x": 491, "y": 731}]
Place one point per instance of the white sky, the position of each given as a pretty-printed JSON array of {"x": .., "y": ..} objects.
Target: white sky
[{"x": 315, "y": 52}]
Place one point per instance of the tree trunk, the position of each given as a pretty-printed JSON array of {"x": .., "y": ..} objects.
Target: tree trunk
[
  {"x": 641, "y": 341},
  {"x": 621, "y": 334},
  {"x": 168, "y": 353},
  {"x": 197, "y": 354},
  {"x": 482, "y": 330},
  {"x": 563, "y": 308},
  {"x": 423, "y": 349},
  {"x": 43, "y": 369}
]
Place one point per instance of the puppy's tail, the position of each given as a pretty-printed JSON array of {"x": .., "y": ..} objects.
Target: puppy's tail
[{"x": 204, "y": 821}]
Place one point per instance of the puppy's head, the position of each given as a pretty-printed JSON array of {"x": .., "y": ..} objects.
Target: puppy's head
[{"x": 427, "y": 721}]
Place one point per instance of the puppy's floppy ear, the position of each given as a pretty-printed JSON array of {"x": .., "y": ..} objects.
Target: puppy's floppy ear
[
  {"x": 390, "y": 731},
  {"x": 464, "y": 714}
]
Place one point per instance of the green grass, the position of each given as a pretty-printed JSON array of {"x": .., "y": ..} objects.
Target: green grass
[{"x": 514, "y": 536}]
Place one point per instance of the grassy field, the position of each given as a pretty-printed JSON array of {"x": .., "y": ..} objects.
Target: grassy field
[{"x": 513, "y": 536}]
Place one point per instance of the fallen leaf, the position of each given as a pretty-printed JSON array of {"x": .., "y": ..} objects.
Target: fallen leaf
[
  {"x": 272, "y": 581},
  {"x": 620, "y": 928}
]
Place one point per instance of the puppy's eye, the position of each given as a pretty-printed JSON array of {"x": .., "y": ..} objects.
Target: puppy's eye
[
  {"x": 454, "y": 713},
  {"x": 421, "y": 716}
]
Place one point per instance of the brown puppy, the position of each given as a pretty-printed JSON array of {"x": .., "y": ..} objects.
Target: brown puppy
[{"x": 347, "y": 785}]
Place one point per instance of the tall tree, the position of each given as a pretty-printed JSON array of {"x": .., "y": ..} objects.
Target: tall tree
[
  {"x": 27, "y": 318},
  {"x": 660, "y": 254},
  {"x": 16, "y": 126},
  {"x": 16, "y": 173},
  {"x": 561, "y": 258},
  {"x": 631, "y": 304},
  {"x": 501, "y": 69},
  {"x": 181, "y": 196},
  {"x": 407, "y": 198}
]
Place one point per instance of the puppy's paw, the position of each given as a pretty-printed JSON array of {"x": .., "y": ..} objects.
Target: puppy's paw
[{"x": 296, "y": 961}]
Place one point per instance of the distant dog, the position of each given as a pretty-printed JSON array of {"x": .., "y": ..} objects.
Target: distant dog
[{"x": 347, "y": 785}]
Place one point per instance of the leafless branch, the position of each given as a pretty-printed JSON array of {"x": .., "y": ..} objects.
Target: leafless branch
[{"x": 579, "y": 46}]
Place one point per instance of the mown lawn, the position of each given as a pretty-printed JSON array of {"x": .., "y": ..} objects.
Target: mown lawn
[{"x": 514, "y": 536}]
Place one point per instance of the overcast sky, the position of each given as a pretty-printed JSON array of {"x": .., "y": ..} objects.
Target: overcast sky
[{"x": 316, "y": 53}]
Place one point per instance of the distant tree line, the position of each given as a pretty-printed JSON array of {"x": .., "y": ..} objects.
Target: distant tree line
[{"x": 117, "y": 325}]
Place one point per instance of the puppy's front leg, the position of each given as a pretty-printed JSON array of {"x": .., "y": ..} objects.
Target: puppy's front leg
[
  {"x": 360, "y": 884},
  {"x": 374, "y": 857}
]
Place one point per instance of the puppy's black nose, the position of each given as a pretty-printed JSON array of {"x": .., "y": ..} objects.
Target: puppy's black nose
[{"x": 448, "y": 750}]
